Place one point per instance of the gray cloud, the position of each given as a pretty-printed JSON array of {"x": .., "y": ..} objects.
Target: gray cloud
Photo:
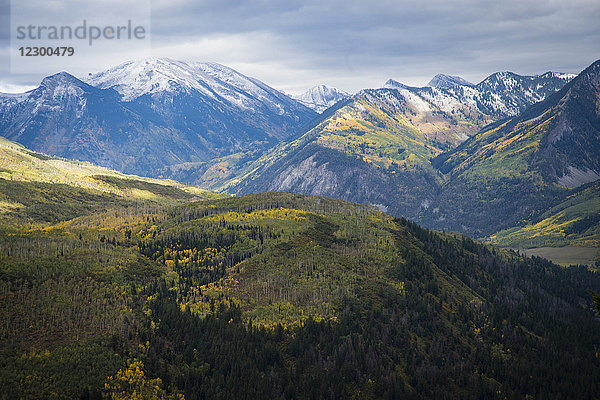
[{"x": 355, "y": 44}]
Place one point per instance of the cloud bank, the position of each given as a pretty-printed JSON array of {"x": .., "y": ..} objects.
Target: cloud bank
[{"x": 350, "y": 44}]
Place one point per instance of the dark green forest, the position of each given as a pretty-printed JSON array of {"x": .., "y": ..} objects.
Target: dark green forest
[{"x": 283, "y": 296}]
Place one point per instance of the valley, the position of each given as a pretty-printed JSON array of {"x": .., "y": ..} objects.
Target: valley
[{"x": 565, "y": 256}]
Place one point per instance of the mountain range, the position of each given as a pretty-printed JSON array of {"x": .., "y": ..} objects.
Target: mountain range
[
  {"x": 418, "y": 152},
  {"x": 518, "y": 167},
  {"x": 378, "y": 146},
  {"x": 121, "y": 286},
  {"x": 140, "y": 117},
  {"x": 500, "y": 95}
]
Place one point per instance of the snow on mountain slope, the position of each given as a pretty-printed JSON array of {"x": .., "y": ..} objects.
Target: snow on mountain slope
[
  {"x": 134, "y": 79},
  {"x": 143, "y": 116},
  {"x": 429, "y": 101},
  {"x": 55, "y": 92},
  {"x": 207, "y": 99},
  {"x": 320, "y": 98},
  {"x": 442, "y": 81},
  {"x": 392, "y": 84},
  {"x": 523, "y": 160},
  {"x": 163, "y": 76},
  {"x": 500, "y": 95},
  {"x": 69, "y": 118}
]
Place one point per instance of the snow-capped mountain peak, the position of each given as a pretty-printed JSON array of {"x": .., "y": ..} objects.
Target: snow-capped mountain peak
[
  {"x": 58, "y": 88},
  {"x": 321, "y": 97},
  {"x": 507, "y": 93},
  {"x": 142, "y": 116},
  {"x": 167, "y": 77},
  {"x": 393, "y": 84},
  {"x": 442, "y": 81},
  {"x": 558, "y": 75},
  {"x": 61, "y": 78},
  {"x": 500, "y": 95},
  {"x": 134, "y": 79}
]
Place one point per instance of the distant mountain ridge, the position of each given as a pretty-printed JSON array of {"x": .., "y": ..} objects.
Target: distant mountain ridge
[
  {"x": 206, "y": 124},
  {"x": 320, "y": 98},
  {"x": 377, "y": 147},
  {"x": 522, "y": 165},
  {"x": 500, "y": 95},
  {"x": 142, "y": 116},
  {"x": 442, "y": 81},
  {"x": 374, "y": 148},
  {"x": 164, "y": 77}
]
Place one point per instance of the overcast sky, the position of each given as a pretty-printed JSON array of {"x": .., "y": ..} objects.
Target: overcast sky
[{"x": 293, "y": 45}]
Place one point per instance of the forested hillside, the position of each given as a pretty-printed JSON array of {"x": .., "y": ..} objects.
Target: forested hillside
[
  {"x": 283, "y": 296},
  {"x": 574, "y": 221},
  {"x": 39, "y": 187}
]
